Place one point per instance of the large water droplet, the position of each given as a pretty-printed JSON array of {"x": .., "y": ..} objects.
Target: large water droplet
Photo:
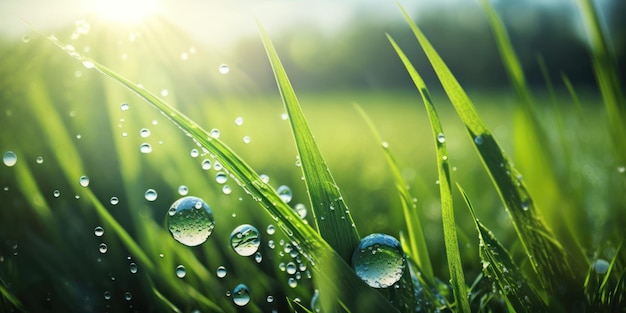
[
  {"x": 221, "y": 178},
  {"x": 190, "y": 221},
  {"x": 180, "y": 271},
  {"x": 98, "y": 231},
  {"x": 145, "y": 148},
  {"x": 9, "y": 158},
  {"x": 83, "y": 181},
  {"x": 300, "y": 209},
  {"x": 241, "y": 295},
  {"x": 221, "y": 271},
  {"x": 379, "y": 260},
  {"x": 316, "y": 305},
  {"x": 224, "y": 69},
  {"x": 478, "y": 140},
  {"x": 151, "y": 195},
  {"x": 285, "y": 193},
  {"x": 291, "y": 268},
  {"x": 245, "y": 240}
]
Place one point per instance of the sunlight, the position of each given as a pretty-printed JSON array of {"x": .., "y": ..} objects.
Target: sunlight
[{"x": 124, "y": 11}]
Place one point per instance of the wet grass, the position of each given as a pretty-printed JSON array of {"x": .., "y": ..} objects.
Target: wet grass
[{"x": 527, "y": 243}]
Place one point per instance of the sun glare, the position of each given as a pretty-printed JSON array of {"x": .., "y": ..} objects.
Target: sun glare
[{"x": 124, "y": 11}]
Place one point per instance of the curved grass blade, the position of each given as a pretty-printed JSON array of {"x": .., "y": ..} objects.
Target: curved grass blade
[
  {"x": 499, "y": 267},
  {"x": 415, "y": 235},
  {"x": 332, "y": 216},
  {"x": 447, "y": 209},
  {"x": 336, "y": 275},
  {"x": 546, "y": 256}
]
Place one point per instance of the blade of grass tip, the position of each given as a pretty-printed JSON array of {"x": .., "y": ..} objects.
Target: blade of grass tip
[
  {"x": 546, "y": 256},
  {"x": 500, "y": 268},
  {"x": 605, "y": 68},
  {"x": 332, "y": 217},
  {"x": 447, "y": 209},
  {"x": 336, "y": 274},
  {"x": 415, "y": 235}
]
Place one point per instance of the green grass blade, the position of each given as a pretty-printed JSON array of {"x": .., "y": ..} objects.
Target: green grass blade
[
  {"x": 546, "y": 256},
  {"x": 500, "y": 268},
  {"x": 8, "y": 296},
  {"x": 415, "y": 235},
  {"x": 447, "y": 210},
  {"x": 332, "y": 216},
  {"x": 335, "y": 274}
]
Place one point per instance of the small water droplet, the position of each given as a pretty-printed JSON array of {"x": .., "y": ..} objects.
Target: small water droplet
[
  {"x": 478, "y": 140},
  {"x": 144, "y": 132},
  {"x": 221, "y": 271},
  {"x": 150, "y": 195},
  {"x": 292, "y": 282},
  {"x": 183, "y": 190},
  {"x": 258, "y": 257},
  {"x": 133, "y": 268},
  {"x": 239, "y": 121},
  {"x": 300, "y": 209},
  {"x": 128, "y": 296},
  {"x": 9, "y": 158},
  {"x": 124, "y": 107},
  {"x": 226, "y": 190},
  {"x": 56, "y": 193},
  {"x": 164, "y": 92},
  {"x": 441, "y": 138},
  {"x": 145, "y": 148},
  {"x": 264, "y": 178},
  {"x": 88, "y": 64},
  {"x": 115, "y": 200},
  {"x": 621, "y": 169},
  {"x": 180, "y": 271},
  {"x": 26, "y": 38},
  {"x": 384, "y": 144},
  {"x": 269, "y": 299},
  {"x": 190, "y": 221},
  {"x": 285, "y": 193},
  {"x": 83, "y": 181},
  {"x": 224, "y": 68},
  {"x": 245, "y": 240},
  {"x": 600, "y": 266},
  {"x": 206, "y": 164},
  {"x": 221, "y": 178},
  {"x": 107, "y": 295},
  {"x": 291, "y": 268},
  {"x": 316, "y": 305},
  {"x": 241, "y": 295},
  {"x": 215, "y": 133},
  {"x": 103, "y": 248},
  {"x": 246, "y": 139},
  {"x": 284, "y": 116},
  {"x": 39, "y": 160},
  {"x": 379, "y": 260},
  {"x": 98, "y": 231},
  {"x": 194, "y": 153},
  {"x": 271, "y": 229}
]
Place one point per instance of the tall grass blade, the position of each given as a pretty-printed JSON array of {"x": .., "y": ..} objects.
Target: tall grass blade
[
  {"x": 447, "y": 210},
  {"x": 335, "y": 274},
  {"x": 13, "y": 301},
  {"x": 415, "y": 235},
  {"x": 499, "y": 267},
  {"x": 545, "y": 254},
  {"x": 332, "y": 216}
]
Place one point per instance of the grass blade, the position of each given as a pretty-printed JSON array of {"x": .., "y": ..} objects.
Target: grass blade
[
  {"x": 335, "y": 274},
  {"x": 546, "y": 256},
  {"x": 332, "y": 217},
  {"x": 447, "y": 209},
  {"x": 500, "y": 268}
]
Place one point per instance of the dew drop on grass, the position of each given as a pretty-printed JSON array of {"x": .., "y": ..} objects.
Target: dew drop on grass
[
  {"x": 26, "y": 39},
  {"x": 133, "y": 268},
  {"x": 245, "y": 240},
  {"x": 194, "y": 153},
  {"x": 215, "y": 133},
  {"x": 241, "y": 295},
  {"x": 621, "y": 169},
  {"x": 264, "y": 178},
  {"x": 379, "y": 260},
  {"x": 144, "y": 133},
  {"x": 183, "y": 190},
  {"x": 291, "y": 268},
  {"x": 239, "y": 121},
  {"x": 601, "y": 266},
  {"x": 145, "y": 148},
  {"x": 269, "y": 299},
  {"x": 258, "y": 257},
  {"x": 83, "y": 181},
  {"x": 224, "y": 68},
  {"x": 246, "y": 139},
  {"x": 9, "y": 158},
  {"x": 103, "y": 248},
  {"x": 56, "y": 193},
  {"x": 164, "y": 92},
  {"x": 39, "y": 160},
  {"x": 98, "y": 231},
  {"x": 221, "y": 271},
  {"x": 88, "y": 64},
  {"x": 478, "y": 140},
  {"x": 292, "y": 282},
  {"x": 221, "y": 178},
  {"x": 115, "y": 200},
  {"x": 226, "y": 190},
  {"x": 124, "y": 107},
  {"x": 285, "y": 193},
  {"x": 128, "y": 296},
  {"x": 190, "y": 221},
  {"x": 284, "y": 116},
  {"x": 107, "y": 295},
  {"x": 271, "y": 229},
  {"x": 206, "y": 164},
  {"x": 150, "y": 195},
  {"x": 180, "y": 271},
  {"x": 300, "y": 209},
  {"x": 316, "y": 305}
]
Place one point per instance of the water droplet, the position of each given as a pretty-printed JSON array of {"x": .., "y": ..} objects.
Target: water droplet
[
  {"x": 621, "y": 169},
  {"x": 215, "y": 133},
  {"x": 226, "y": 190},
  {"x": 83, "y": 181},
  {"x": 300, "y": 209},
  {"x": 164, "y": 92},
  {"x": 478, "y": 140},
  {"x": 145, "y": 148},
  {"x": 285, "y": 193},
  {"x": 239, "y": 121},
  {"x": 291, "y": 268},
  {"x": 144, "y": 132},
  {"x": 194, "y": 153},
  {"x": 88, "y": 64},
  {"x": 245, "y": 240},
  {"x": 103, "y": 248},
  {"x": 26, "y": 38},
  {"x": 221, "y": 178},
  {"x": 107, "y": 295},
  {"x": 246, "y": 139},
  {"x": 258, "y": 257},
  {"x": 124, "y": 107},
  {"x": 384, "y": 144},
  {"x": 224, "y": 69},
  {"x": 221, "y": 271},
  {"x": 190, "y": 221},
  {"x": 9, "y": 158},
  {"x": 271, "y": 229},
  {"x": 206, "y": 164},
  {"x": 56, "y": 193},
  {"x": 180, "y": 271},
  {"x": 183, "y": 190},
  {"x": 600, "y": 266},
  {"x": 269, "y": 299},
  {"x": 115, "y": 200},
  {"x": 128, "y": 296},
  {"x": 316, "y": 305},
  {"x": 292, "y": 282},
  {"x": 39, "y": 160},
  {"x": 98, "y": 231},
  {"x": 379, "y": 260},
  {"x": 264, "y": 178},
  {"x": 241, "y": 295},
  {"x": 150, "y": 195},
  {"x": 133, "y": 268}
]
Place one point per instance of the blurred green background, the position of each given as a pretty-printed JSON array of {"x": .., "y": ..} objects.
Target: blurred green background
[{"x": 336, "y": 55}]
